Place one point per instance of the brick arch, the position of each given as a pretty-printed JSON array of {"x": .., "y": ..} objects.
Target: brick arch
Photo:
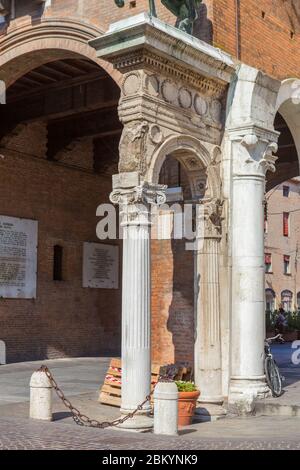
[{"x": 29, "y": 47}]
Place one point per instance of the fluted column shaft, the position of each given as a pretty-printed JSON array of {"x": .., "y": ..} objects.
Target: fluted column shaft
[
  {"x": 252, "y": 158},
  {"x": 136, "y": 353},
  {"x": 135, "y": 199},
  {"x": 208, "y": 373}
]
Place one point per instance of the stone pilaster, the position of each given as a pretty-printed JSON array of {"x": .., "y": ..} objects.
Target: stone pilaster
[
  {"x": 135, "y": 199},
  {"x": 252, "y": 153},
  {"x": 208, "y": 373}
]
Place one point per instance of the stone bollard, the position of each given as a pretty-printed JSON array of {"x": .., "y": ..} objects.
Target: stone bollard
[
  {"x": 166, "y": 409},
  {"x": 40, "y": 397}
]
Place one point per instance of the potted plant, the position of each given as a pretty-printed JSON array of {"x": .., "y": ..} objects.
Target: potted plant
[{"x": 187, "y": 399}]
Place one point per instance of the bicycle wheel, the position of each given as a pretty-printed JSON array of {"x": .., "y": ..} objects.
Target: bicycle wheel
[{"x": 273, "y": 376}]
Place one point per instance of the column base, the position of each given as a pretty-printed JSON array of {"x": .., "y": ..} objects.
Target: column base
[
  {"x": 139, "y": 423},
  {"x": 209, "y": 410},
  {"x": 244, "y": 391}
]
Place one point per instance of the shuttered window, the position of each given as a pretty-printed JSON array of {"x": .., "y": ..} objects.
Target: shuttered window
[
  {"x": 286, "y": 264},
  {"x": 286, "y": 224},
  {"x": 268, "y": 262}
]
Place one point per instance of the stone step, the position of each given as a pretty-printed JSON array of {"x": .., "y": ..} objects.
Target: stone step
[{"x": 265, "y": 408}]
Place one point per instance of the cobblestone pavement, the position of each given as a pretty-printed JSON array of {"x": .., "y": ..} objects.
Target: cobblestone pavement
[{"x": 22, "y": 434}]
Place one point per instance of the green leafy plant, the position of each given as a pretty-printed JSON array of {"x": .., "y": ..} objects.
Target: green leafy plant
[
  {"x": 293, "y": 320},
  {"x": 185, "y": 386}
]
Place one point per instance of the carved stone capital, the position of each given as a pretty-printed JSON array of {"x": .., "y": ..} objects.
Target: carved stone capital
[
  {"x": 134, "y": 202},
  {"x": 253, "y": 151},
  {"x": 145, "y": 193}
]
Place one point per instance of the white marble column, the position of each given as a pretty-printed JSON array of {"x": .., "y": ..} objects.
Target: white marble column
[
  {"x": 135, "y": 199},
  {"x": 252, "y": 154},
  {"x": 208, "y": 371}
]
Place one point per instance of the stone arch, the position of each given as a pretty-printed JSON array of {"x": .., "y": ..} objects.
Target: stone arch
[
  {"x": 287, "y": 114},
  {"x": 205, "y": 159},
  {"x": 28, "y": 47}
]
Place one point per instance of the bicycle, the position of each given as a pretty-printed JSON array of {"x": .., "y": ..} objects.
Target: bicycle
[{"x": 273, "y": 376}]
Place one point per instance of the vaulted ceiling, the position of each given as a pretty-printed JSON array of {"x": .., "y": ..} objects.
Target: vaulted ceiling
[{"x": 75, "y": 97}]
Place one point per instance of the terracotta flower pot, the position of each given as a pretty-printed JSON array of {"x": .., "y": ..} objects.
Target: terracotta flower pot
[{"x": 186, "y": 407}]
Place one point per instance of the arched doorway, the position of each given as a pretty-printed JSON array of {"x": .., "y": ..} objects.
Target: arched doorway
[
  {"x": 193, "y": 172},
  {"x": 172, "y": 266},
  {"x": 59, "y": 148}
]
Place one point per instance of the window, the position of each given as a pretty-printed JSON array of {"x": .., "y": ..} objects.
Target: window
[
  {"x": 286, "y": 224},
  {"x": 57, "y": 263},
  {"x": 268, "y": 262},
  {"x": 286, "y": 191},
  {"x": 270, "y": 300},
  {"x": 286, "y": 300},
  {"x": 286, "y": 264}
]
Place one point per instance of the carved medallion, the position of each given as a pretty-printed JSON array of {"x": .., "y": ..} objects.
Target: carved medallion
[
  {"x": 185, "y": 98},
  {"x": 215, "y": 110},
  {"x": 152, "y": 85},
  {"x": 155, "y": 134},
  {"x": 131, "y": 84},
  {"x": 169, "y": 91},
  {"x": 200, "y": 105}
]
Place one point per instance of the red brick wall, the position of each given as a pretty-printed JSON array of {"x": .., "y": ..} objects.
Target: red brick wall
[
  {"x": 173, "y": 286},
  {"x": 172, "y": 302},
  {"x": 269, "y": 34},
  {"x": 65, "y": 319},
  {"x": 269, "y": 29}
]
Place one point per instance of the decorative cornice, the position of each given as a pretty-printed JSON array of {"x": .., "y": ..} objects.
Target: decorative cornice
[
  {"x": 142, "y": 58},
  {"x": 138, "y": 41}
]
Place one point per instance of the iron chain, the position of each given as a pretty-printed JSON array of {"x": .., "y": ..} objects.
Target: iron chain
[{"x": 82, "y": 419}]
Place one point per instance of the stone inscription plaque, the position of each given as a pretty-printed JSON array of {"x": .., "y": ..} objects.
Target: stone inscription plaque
[
  {"x": 18, "y": 257},
  {"x": 100, "y": 266}
]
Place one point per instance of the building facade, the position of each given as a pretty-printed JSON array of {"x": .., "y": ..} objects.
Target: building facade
[
  {"x": 95, "y": 92},
  {"x": 282, "y": 234}
]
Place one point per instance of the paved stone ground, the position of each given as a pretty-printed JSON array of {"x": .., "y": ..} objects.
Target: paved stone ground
[
  {"x": 81, "y": 378},
  {"x": 22, "y": 434},
  {"x": 289, "y": 402}
]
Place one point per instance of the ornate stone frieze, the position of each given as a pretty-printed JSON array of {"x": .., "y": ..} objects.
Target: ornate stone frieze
[
  {"x": 132, "y": 147},
  {"x": 204, "y": 104},
  {"x": 210, "y": 218},
  {"x": 154, "y": 63}
]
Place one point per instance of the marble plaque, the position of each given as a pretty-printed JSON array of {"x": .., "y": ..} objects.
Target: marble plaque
[
  {"x": 100, "y": 266},
  {"x": 18, "y": 257}
]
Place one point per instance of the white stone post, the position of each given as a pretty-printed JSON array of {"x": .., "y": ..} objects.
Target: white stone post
[
  {"x": 166, "y": 409},
  {"x": 40, "y": 397},
  {"x": 2, "y": 352},
  {"x": 208, "y": 367},
  {"x": 252, "y": 154},
  {"x": 135, "y": 198}
]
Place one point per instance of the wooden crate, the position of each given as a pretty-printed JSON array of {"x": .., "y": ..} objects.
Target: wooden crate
[{"x": 110, "y": 393}]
